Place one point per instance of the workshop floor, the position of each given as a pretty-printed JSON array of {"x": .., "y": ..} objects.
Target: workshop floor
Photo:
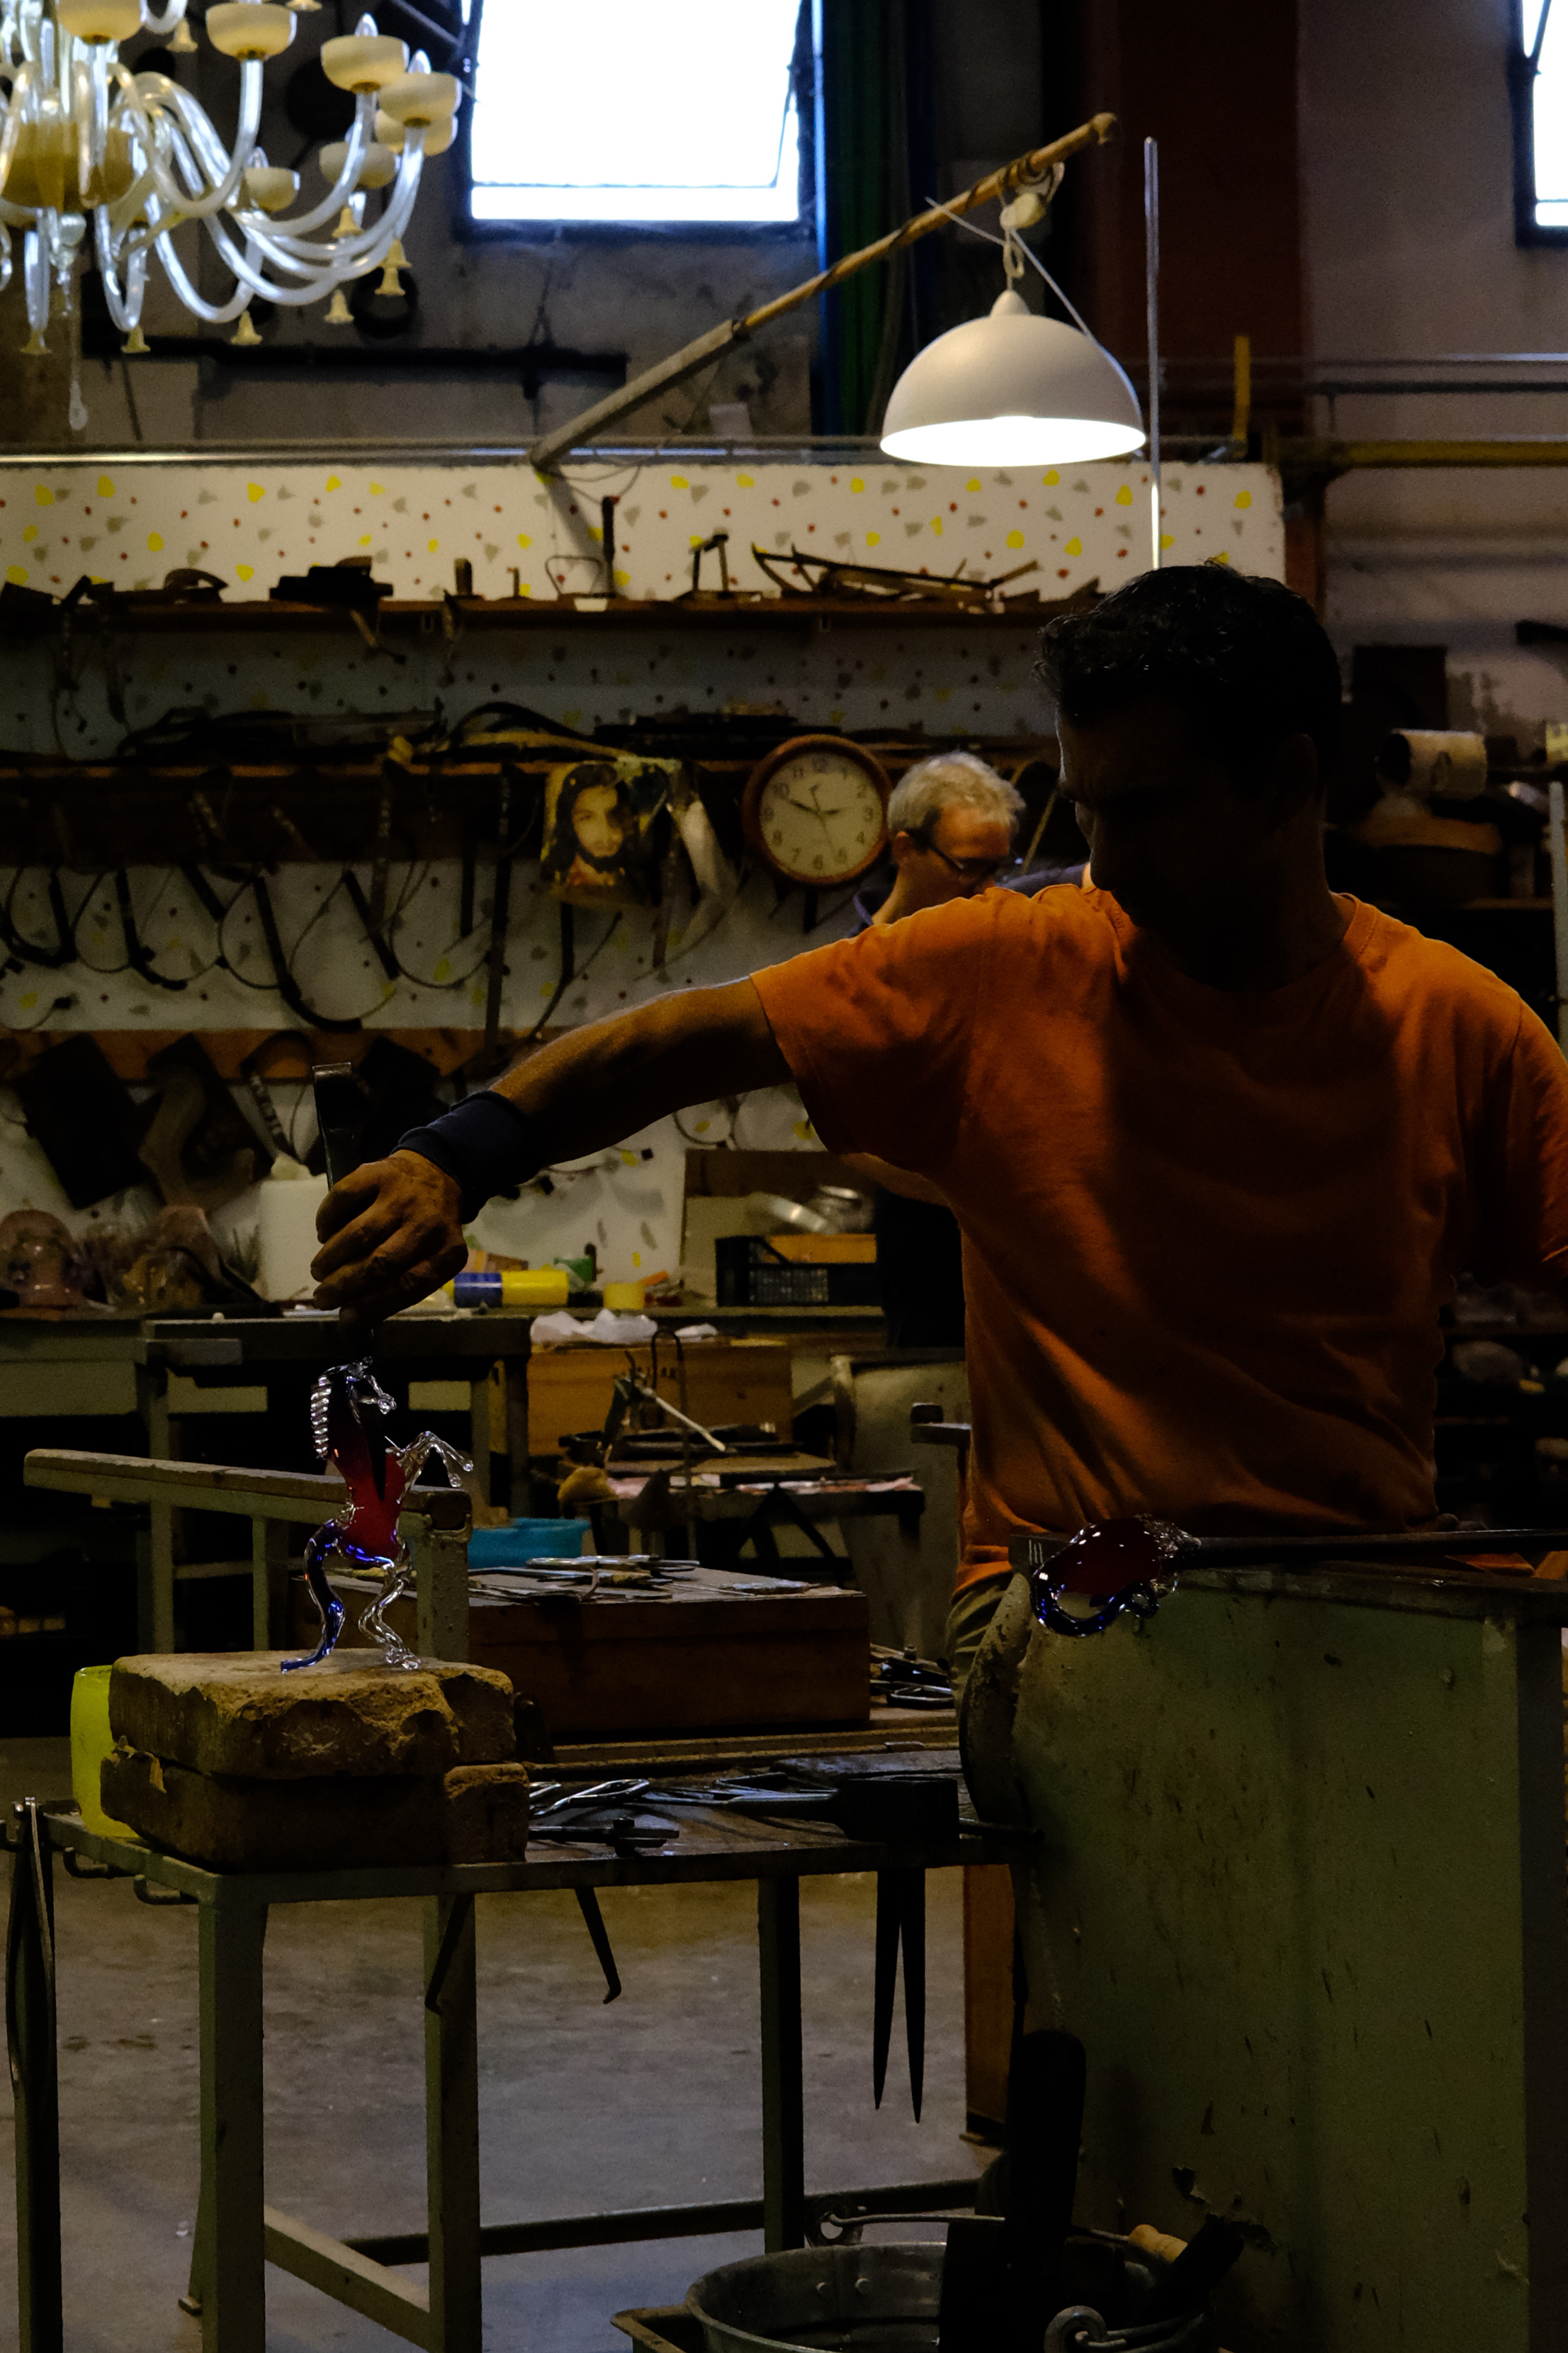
[{"x": 653, "y": 2101}]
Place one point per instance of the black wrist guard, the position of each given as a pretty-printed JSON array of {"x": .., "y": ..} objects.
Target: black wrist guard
[{"x": 485, "y": 1143}]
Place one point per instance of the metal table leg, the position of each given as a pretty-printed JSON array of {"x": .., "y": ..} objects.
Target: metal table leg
[
  {"x": 784, "y": 2102},
  {"x": 229, "y": 2257},
  {"x": 31, "y": 2048},
  {"x": 452, "y": 2125}
]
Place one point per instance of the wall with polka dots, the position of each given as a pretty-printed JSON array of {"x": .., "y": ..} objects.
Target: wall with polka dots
[{"x": 131, "y": 523}]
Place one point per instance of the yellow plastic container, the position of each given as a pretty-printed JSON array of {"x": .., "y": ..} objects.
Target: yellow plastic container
[
  {"x": 626, "y": 1298},
  {"x": 539, "y": 1287},
  {"x": 91, "y": 1742}
]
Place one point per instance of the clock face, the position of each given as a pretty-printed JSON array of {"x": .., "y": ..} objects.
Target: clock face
[{"x": 818, "y": 815}]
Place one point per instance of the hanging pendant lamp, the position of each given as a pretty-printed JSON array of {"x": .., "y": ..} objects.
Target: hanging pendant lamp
[{"x": 1012, "y": 389}]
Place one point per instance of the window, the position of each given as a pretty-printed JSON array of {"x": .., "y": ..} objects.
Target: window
[
  {"x": 670, "y": 110},
  {"x": 1539, "y": 77}
]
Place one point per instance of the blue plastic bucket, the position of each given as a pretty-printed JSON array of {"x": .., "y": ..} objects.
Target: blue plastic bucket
[{"x": 524, "y": 1540}]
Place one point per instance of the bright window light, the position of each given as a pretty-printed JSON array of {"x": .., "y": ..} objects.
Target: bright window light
[
  {"x": 1549, "y": 117},
  {"x": 682, "y": 111}
]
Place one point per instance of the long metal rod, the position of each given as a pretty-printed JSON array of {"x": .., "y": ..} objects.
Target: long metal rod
[
  {"x": 635, "y": 2225},
  {"x": 1152, "y": 312},
  {"x": 1557, "y": 852},
  {"x": 547, "y": 452}
]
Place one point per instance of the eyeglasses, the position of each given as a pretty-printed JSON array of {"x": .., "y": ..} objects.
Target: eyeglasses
[{"x": 968, "y": 870}]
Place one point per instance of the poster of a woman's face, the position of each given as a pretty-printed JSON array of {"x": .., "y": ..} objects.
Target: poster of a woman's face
[{"x": 595, "y": 846}]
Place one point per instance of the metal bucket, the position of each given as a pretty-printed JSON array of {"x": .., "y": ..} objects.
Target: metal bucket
[{"x": 847, "y": 2299}]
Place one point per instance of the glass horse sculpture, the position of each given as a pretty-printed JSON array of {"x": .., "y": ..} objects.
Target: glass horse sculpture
[{"x": 350, "y": 1415}]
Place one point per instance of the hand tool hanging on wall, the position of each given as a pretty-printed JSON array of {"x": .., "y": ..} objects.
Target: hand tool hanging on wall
[
  {"x": 136, "y": 956},
  {"x": 32, "y": 952},
  {"x": 83, "y": 1120},
  {"x": 197, "y": 1146},
  {"x": 253, "y": 1071},
  {"x": 288, "y": 987}
]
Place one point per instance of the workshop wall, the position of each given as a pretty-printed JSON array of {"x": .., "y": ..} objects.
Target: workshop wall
[
  {"x": 948, "y": 679},
  {"x": 1406, "y": 161}
]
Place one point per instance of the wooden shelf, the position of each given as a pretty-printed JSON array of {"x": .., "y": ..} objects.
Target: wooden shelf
[{"x": 396, "y": 616}]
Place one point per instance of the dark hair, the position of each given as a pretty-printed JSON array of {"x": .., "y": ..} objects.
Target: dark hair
[{"x": 1247, "y": 658}]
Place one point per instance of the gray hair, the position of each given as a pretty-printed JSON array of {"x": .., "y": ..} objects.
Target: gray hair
[{"x": 951, "y": 780}]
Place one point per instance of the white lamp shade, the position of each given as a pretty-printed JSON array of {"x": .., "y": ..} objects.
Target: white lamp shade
[{"x": 1012, "y": 390}]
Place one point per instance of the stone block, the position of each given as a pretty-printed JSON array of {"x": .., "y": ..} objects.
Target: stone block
[
  {"x": 234, "y": 1713},
  {"x": 476, "y": 1813}
]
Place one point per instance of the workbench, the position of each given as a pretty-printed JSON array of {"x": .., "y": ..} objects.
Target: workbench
[
  {"x": 1301, "y": 1889},
  {"x": 237, "y": 2234},
  {"x": 166, "y": 1368}
]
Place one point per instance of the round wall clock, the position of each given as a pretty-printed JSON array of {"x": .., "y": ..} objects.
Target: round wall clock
[{"x": 817, "y": 810}]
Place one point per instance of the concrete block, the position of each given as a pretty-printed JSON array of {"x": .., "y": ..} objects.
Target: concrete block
[
  {"x": 234, "y": 1713},
  {"x": 476, "y": 1813}
]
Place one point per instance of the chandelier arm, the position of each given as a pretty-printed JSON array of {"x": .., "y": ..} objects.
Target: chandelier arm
[
  {"x": 173, "y": 17},
  {"x": 197, "y": 130},
  {"x": 157, "y": 134},
  {"x": 343, "y": 187},
  {"x": 365, "y": 247},
  {"x": 10, "y": 130},
  {"x": 216, "y": 314},
  {"x": 4, "y": 256},
  {"x": 36, "y": 281},
  {"x": 125, "y": 309},
  {"x": 245, "y": 269}
]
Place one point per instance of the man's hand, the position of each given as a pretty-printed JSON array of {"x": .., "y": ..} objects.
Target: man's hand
[{"x": 390, "y": 1234}]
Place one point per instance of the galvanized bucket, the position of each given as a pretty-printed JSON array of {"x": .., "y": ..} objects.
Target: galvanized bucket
[{"x": 849, "y": 2299}]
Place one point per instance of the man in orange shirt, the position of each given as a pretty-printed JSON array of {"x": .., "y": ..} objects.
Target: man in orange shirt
[{"x": 1220, "y": 1142}]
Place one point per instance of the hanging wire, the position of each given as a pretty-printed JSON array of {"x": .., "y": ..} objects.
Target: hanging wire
[{"x": 1011, "y": 239}]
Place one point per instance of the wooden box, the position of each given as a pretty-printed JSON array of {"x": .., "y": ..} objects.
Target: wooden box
[{"x": 712, "y": 1658}]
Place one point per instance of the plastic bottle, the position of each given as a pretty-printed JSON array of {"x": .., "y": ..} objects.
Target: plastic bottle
[{"x": 540, "y": 1286}]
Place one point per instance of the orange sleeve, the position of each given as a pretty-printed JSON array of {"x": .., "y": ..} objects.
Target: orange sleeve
[
  {"x": 876, "y": 1030},
  {"x": 1521, "y": 1212}
]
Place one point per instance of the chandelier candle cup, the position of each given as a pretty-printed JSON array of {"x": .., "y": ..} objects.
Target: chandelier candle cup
[
  {"x": 364, "y": 60},
  {"x": 271, "y": 188},
  {"x": 378, "y": 169},
  {"x": 99, "y": 20},
  {"x": 250, "y": 28},
  {"x": 419, "y": 100}
]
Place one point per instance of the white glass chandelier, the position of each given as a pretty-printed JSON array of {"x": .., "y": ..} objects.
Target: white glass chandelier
[{"x": 84, "y": 137}]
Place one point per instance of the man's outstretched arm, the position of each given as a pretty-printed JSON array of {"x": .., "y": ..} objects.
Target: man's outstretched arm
[{"x": 394, "y": 1230}]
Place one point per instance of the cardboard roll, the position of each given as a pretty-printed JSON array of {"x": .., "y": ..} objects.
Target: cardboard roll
[{"x": 1441, "y": 764}]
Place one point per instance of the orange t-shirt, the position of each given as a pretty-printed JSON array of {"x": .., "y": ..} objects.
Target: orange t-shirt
[{"x": 1206, "y": 1235}]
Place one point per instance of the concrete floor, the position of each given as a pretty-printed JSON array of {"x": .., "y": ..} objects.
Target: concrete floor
[{"x": 651, "y": 2101}]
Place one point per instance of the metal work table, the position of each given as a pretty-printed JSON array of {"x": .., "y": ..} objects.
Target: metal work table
[{"x": 237, "y": 2234}]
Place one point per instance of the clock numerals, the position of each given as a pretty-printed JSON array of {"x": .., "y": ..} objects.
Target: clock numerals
[{"x": 818, "y": 816}]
